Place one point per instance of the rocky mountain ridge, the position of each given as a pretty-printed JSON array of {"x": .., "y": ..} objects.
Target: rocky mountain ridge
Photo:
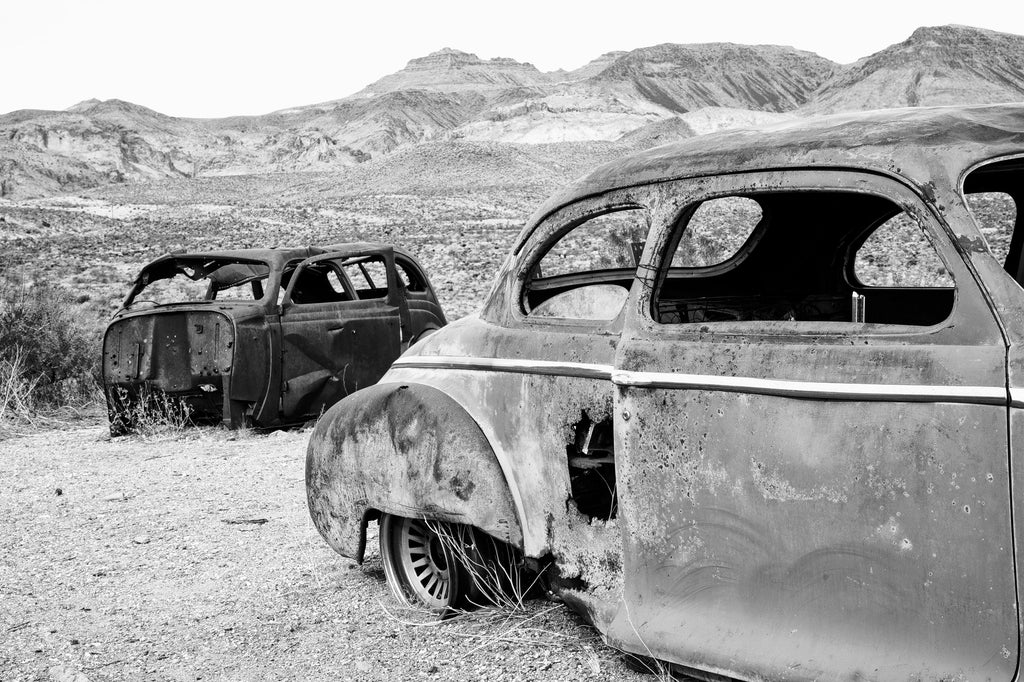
[{"x": 638, "y": 98}]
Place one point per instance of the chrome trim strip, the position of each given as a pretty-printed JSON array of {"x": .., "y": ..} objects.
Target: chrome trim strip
[
  {"x": 546, "y": 367},
  {"x": 1017, "y": 397},
  {"x": 984, "y": 395}
]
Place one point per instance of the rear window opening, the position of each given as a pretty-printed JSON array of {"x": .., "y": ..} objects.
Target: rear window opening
[
  {"x": 587, "y": 272},
  {"x": 822, "y": 256},
  {"x": 191, "y": 279}
]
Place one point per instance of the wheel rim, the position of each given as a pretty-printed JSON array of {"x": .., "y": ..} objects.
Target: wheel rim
[{"x": 419, "y": 562}]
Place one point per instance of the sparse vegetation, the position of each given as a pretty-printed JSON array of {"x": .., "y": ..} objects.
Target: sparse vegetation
[
  {"x": 148, "y": 413},
  {"x": 47, "y": 360}
]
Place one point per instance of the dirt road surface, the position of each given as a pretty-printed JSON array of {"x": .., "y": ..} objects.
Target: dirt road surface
[{"x": 190, "y": 556}]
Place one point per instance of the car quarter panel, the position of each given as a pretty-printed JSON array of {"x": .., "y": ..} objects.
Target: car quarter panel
[
  {"x": 529, "y": 390},
  {"x": 404, "y": 449}
]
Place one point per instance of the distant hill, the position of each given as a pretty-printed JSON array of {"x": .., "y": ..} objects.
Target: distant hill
[
  {"x": 452, "y": 106},
  {"x": 934, "y": 66}
]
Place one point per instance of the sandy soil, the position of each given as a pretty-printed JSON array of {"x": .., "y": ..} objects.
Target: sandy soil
[{"x": 190, "y": 556}]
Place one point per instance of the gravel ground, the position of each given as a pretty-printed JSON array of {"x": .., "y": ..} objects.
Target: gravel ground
[{"x": 190, "y": 556}]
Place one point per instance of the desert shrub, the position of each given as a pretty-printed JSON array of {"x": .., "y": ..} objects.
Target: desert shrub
[
  {"x": 47, "y": 359},
  {"x": 146, "y": 412}
]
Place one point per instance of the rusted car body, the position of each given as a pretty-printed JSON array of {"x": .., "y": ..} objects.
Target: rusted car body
[
  {"x": 263, "y": 337},
  {"x": 753, "y": 440}
]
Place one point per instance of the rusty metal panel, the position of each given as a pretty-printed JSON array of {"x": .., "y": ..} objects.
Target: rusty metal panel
[
  {"x": 804, "y": 539},
  {"x": 174, "y": 351},
  {"x": 403, "y": 449},
  {"x": 332, "y": 350},
  {"x": 529, "y": 420}
]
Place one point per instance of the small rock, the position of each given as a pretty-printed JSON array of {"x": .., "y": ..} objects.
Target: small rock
[
  {"x": 363, "y": 666},
  {"x": 432, "y": 670},
  {"x": 141, "y": 539},
  {"x": 59, "y": 492},
  {"x": 115, "y": 497},
  {"x": 59, "y": 673}
]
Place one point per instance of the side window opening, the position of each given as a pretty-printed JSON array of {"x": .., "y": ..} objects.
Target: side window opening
[
  {"x": 898, "y": 254},
  {"x": 318, "y": 283},
  {"x": 587, "y": 272},
  {"x": 993, "y": 194},
  {"x": 369, "y": 276},
  {"x": 716, "y": 232},
  {"x": 827, "y": 256}
]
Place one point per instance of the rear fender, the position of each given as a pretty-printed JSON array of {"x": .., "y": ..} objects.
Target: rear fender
[{"x": 404, "y": 449}]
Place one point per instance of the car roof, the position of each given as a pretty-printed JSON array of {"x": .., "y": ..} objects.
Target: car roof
[
  {"x": 907, "y": 142},
  {"x": 278, "y": 256}
]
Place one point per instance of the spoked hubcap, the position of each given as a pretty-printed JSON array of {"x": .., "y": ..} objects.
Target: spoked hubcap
[{"x": 417, "y": 559}]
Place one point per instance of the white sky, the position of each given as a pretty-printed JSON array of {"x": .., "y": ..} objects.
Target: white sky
[{"x": 209, "y": 58}]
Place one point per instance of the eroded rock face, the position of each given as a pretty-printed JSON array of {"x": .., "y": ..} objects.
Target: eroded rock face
[
  {"x": 449, "y": 69},
  {"x": 935, "y": 66}
]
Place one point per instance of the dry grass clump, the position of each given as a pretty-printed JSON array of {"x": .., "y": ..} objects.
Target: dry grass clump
[
  {"x": 147, "y": 413},
  {"x": 47, "y": 361}
]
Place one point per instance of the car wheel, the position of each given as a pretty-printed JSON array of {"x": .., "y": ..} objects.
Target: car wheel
[{"x": 425, "y": 563}]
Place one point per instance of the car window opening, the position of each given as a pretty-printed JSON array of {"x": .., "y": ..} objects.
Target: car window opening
[
  {"x": 591, "y": 458},
  {"x": 368, "y": 275},
  {"x": 409, "y": 278},
  {"x": 812, "y": 256},
  {"x": 587, "y": 272},
  {"x": 187, "y": 280},
  {"x": 320, "y": 282},
  {"x": 993, "y": 194}
]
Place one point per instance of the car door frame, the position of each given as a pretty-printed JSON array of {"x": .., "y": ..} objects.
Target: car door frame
[
  {"x": 338, "y": 318},
  {"x": 731, "y": 389}
]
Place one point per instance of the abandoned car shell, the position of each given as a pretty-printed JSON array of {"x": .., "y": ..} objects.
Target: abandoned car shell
[
  {"x": 755, "y": 395},
  {"x": 262, "y": 337}
]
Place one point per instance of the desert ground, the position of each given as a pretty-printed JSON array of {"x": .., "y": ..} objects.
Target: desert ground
[{"x": 189, "y": 555}]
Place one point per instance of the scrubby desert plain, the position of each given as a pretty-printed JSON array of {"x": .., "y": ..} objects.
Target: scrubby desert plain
[{"x": 189, "y": 554}]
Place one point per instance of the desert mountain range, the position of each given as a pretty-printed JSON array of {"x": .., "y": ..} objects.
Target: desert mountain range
[{"x": 455, "y": 100}]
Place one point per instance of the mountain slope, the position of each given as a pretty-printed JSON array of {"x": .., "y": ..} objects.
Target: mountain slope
[
  {"x": 934, "y": 66},
  {"x": 686, "y": 77},
  {"x": 450, "y": 70},
  {"x": 624, "y": 91},
  {"x": 403, "y": 121}
]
